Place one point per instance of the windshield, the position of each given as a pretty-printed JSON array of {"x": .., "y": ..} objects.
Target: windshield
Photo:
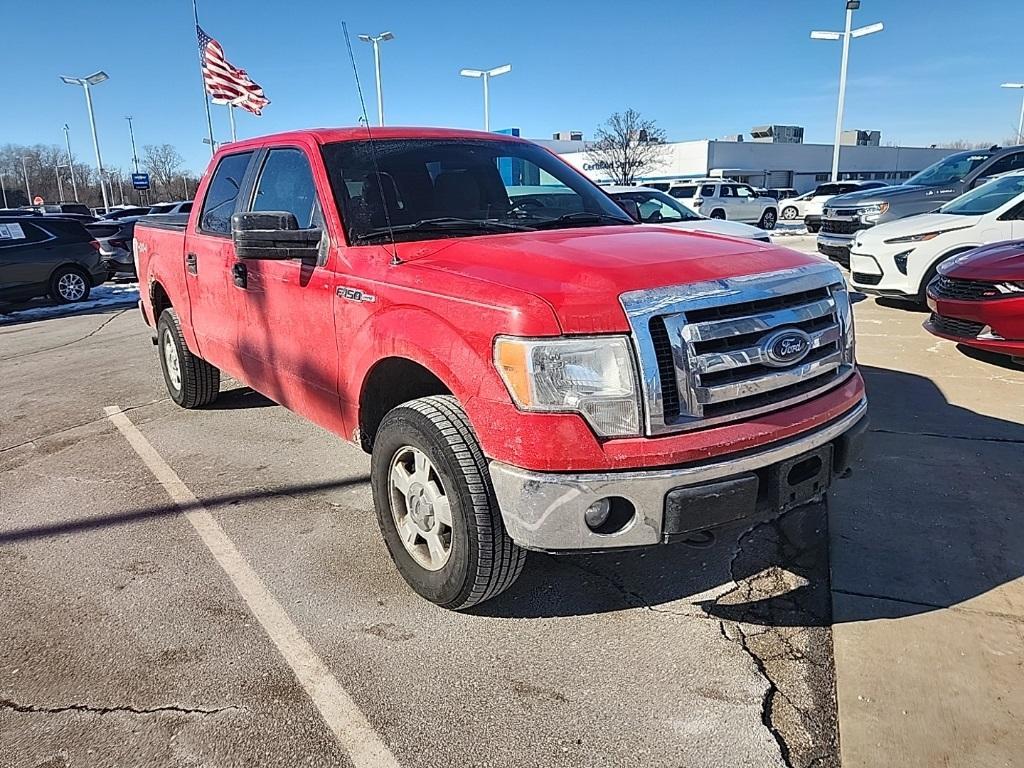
[
  {"x": 949, "y": 169},
  {"x": 657, "y": 207},
  {"x": 422, "y": 189},
  {"x": 987, "y": 197}
]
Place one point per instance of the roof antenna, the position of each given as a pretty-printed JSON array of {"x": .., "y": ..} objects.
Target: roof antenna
[{"x": 373, "y": 148}]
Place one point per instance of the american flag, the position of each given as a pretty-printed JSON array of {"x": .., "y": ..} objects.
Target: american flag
[{"x": 225, "y": 83}]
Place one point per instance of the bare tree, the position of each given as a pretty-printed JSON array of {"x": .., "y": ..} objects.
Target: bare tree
[
  {"x": 627, "y": 145},
  {"x": 164, "y": 162}
]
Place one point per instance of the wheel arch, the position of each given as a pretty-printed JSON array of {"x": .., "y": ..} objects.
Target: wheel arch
[{"x": 391, "y": 381}]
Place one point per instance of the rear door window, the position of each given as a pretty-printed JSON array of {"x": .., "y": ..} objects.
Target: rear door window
[{"x": 222, "y": 194}]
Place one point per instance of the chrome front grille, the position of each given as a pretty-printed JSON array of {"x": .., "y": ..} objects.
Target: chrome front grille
[{"x": 704, "y": 349}]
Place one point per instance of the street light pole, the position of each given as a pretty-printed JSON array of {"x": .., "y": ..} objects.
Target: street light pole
[
  {"x": 28, "y": 188},
  {"x": 60, "y": 186},
  {"x": 375, "y": 41},
  {"x": 131, "y": 134},
  {"x": 3, "y": 188},
  {"x": 71, "y": 164},
  {"x": 845, "y": 36},
  {"x": 94, "y": 79},
  {"x": 486, "y": 75},
  {"x": 1020, "y": 122}
]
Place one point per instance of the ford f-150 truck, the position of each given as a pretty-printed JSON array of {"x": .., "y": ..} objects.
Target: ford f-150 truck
[
  {"x": 845, "y": 215},
  {"x": 527, "y": 370}
]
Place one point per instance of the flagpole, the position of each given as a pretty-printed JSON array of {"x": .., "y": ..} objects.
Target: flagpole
[
  {"x": 202, "y": 81},
  {"x": 231, "y": 117}
]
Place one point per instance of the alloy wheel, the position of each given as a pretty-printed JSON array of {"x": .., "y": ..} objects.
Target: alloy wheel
[{"x": 420, "y": 507}]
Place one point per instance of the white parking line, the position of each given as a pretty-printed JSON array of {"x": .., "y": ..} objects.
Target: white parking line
[{"x": 353, "y": 731}]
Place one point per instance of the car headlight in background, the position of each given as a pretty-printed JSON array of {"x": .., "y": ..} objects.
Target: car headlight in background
[
  {"x": 872, "y": 211},
  {"x": 593, "y": 376},
  {"x": 921, "y": 237}
]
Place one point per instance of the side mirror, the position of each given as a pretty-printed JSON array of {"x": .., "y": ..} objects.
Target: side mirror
[
  {"x": 631, "y": 207},
  {"x": 273, "y": 235}
]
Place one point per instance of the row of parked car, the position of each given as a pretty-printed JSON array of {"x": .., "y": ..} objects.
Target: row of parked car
[
  {"x": 64, "y": 250},
  {"x": 951, "y": 237}
]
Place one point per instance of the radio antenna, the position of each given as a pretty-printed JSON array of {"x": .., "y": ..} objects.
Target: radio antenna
[{"x": 373, "y": 147}]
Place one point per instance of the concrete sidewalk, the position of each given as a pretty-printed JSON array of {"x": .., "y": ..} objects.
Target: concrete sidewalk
[{"x": 927, "y": 554}]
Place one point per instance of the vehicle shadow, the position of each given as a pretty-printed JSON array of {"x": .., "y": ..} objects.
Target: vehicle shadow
[
  {"x": 907, "y": 305},
  {"x": 984, "y": 356},
  {"x": 931, "y": 517},
  {"x": 239, "y": 398}
]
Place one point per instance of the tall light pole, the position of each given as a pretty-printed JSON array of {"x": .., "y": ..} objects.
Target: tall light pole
[
  {"x": 60, "y": 186},
  {"x": 1020, "y": 123},
  {"x": 94, "y": 79},
  {"x": 375, "y": 41},
  {"x": 487, "y": 74},
  {"x": 71, "y": 164},
  {"x": 131, "y": 134},
  {"x": 845, "y": 36},
  {"x": 28, "y": 188},
  {"x": 3, "y": 188}
]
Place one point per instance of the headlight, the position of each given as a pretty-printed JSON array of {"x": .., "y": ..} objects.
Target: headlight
[
  {"x": 921, "y": 237},
  {"x": 873, "y": 211},
  {"x": 592, "y": 376}
]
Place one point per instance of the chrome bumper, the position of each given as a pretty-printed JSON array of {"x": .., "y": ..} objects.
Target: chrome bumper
[{"x": 544, "y": 511}]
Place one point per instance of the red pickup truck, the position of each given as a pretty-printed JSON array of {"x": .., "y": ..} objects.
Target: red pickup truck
[{"x": 528, "y": 367}]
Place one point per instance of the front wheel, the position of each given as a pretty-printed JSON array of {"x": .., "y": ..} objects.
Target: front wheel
[
  {"x": 814, "y": 228},
  {"x": 789, "y": 213},
  {"x": 436, "y": 507},
  {"x": 768, "y": 219}
]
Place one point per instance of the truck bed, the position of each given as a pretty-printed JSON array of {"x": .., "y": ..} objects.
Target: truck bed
[{"x": 174, "y": 221}]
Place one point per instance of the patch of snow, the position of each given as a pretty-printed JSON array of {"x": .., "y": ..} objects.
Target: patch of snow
[
  {"x": 789, "y": 228},
  {"x": 107, "y": 295}
]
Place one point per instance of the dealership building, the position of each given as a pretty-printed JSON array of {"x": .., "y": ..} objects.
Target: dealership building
[{"x": 775, "y": 156}]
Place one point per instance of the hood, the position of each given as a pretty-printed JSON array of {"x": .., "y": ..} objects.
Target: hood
[
  {"x": 581, "y": 272},
  {"x": 914, "y": 225},
  {"x": 895, "y": 192},
  {"x": 717, "y": 227},
  {"x": 991, "y": 263}
]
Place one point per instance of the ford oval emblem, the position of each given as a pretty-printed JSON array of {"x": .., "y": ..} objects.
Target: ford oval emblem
[{"x": 786, "y": 347}]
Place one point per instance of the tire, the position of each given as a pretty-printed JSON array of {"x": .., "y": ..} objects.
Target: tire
[
  {"x": 449, "y": 502},
  {"x": 814, "y": 228},
  {"x": 191, "y": 381},
  {"x": 789, "y": 213},
  {"x": 69, "y": 285},
  {"x": 718, "y": 213},
  {"x": 768, "y": 219}
]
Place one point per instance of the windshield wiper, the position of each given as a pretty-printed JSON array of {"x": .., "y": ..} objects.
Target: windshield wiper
[
  {"x": 442, "y": 224},
  {"x": 580, "y": 218}
]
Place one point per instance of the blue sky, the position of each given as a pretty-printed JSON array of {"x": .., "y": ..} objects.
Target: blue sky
[{"x": 701, "y": 69}]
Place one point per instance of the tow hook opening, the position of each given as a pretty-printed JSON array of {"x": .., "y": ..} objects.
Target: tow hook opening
[{"x": 804, "y": 471}]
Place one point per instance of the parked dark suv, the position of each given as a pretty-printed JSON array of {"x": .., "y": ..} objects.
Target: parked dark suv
[{"x": 48, "y": 256}]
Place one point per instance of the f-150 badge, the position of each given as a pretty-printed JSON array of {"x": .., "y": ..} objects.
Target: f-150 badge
[{"x": 354, "y": 294}]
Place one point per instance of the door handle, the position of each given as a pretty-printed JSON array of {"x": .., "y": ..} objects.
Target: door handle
[
  {"x": 240, "y": 275},
  {"x": 191, "y": 263}
]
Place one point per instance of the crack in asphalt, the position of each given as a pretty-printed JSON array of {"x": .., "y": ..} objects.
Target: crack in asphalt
[
  {"x": 62, "y": 430},
  {"x": 770, "y": 693},
  {"x": 91, "y": 333},
  {"x": 1009, "y": 440},
  {"x": 86, "y": 708}
]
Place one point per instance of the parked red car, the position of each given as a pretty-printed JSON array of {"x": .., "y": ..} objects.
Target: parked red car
[{"x": 977, "y": 299}]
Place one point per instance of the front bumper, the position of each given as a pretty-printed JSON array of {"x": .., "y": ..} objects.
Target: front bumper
[
  {"x": 996, "y": 325},
  {"x": 836, "y": 247},
  {"x": 545, "y": 511}
]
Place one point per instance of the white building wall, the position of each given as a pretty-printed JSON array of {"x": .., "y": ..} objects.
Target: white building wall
[{"x": 796, "y": 165}]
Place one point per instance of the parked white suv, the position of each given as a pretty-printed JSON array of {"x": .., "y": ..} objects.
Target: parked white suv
[
  {"x": 809, "y": 205},
  {"x": 730, "y": 200}
]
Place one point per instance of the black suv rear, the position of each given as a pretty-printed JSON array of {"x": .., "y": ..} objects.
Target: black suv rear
[{"x": 48, "y": 256}]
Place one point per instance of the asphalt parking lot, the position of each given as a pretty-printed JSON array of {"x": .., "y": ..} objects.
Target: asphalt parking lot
[{"x": 124, "y": 641}]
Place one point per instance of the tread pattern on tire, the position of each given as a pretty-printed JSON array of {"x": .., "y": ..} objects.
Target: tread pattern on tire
[
  {"x": 500, "y": 559},
  {"x": 200, "y": 381}
]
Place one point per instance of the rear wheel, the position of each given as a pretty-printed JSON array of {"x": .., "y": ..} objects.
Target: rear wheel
[
  {"x": 68, "y": 285},
  {"x": 191, "y": 381},
  {"x": 789, "y": 213},
  {"x": 718, "y": 213},
  {"x": 436, "y": 507},
  {"x": 768, "y": 219}
]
